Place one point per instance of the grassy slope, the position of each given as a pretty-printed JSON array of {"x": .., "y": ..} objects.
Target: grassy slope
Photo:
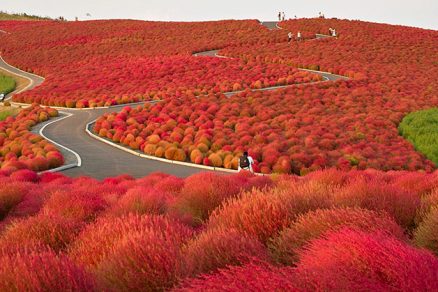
[
  {"x": 21, "y": 16},
  {"x": 7, "y": 84},
  {"x": 421, "y": 129}
]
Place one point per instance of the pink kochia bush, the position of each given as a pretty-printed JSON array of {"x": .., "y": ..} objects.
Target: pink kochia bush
[
  {"x": 314, "y": 224},
  {"x": 350, "y": 260}
]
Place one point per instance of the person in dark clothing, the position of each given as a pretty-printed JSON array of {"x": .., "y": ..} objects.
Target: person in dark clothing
[{"x": 246, "y": 162}]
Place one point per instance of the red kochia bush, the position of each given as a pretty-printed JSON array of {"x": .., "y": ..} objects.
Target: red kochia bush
[
  {"x": 204, "y": 192},
  {"x": 263, "y": 213},
  {"x": 54, "y": 231},
  {"x": 76, "y": 205},
  {"x": 11, "y": 193},
  {"x": 380, "y": 196},
  {"x": 144, "y": 260},
  {"x": 426, "y": 234},
  {"x": 314, "y": 224},
  {"x": 140, "y": 200},
  {"x": 250, "y": 277},
  {"x": 42, "y": 272},
  {"x": 96, "y": 243},
  {"x": 350, "y": 260},
  {"x": 215, "y": 249}
]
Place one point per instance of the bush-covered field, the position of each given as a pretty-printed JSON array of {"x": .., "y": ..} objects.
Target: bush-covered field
[
  {"x": 330, "y": 230},
  {"x": 7, "y": 84},
  {"x": 421, "y": 129},
  {"x": 22, "y": 149}
]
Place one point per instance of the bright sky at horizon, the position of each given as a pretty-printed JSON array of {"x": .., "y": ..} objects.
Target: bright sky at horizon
[{"x": 420, "y": 13}]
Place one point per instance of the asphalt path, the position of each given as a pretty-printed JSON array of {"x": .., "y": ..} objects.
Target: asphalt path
[{"x": 100, "y": 160}]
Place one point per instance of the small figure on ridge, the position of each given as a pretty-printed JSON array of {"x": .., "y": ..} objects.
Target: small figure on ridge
[{"x": 289, "y": 37}]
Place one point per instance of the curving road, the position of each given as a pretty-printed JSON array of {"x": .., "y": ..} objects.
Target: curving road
[
  {"x": 93, "y": 158},
  {"x": 33, "y": 80}
]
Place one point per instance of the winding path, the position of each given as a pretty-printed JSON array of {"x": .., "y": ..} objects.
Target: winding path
[{"x": 88, "y": 156}]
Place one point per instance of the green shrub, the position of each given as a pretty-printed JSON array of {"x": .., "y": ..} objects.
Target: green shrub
[{"x": 421, "y": 129}]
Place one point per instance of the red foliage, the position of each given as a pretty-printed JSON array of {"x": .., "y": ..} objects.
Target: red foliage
[
  {"x": 216, "y": 249},
  {"x": 132, "y": 66},
  {"x": 251, "y": 277},
  {"x": 380, "y": 196},
  {"x": 202, "y": 193},
  {"x": 141, "y": 259},
  {"x": 140, "y": 200},
  {"x": 96, "y": 243},
  {"x": 350, "y": 260},
  {"x": 314, "y": 224},
  {"x": 53, "y": 231},
  {"x": 42, "y": 272},
  {"x": 20, "y": 149},
  {"x": 263, "y": 213}
]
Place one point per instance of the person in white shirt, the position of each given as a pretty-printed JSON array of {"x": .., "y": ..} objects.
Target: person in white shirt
[
  {"x": 299, "y": 36},
  {"x": 289, "y": 37},
  {"x": 2, "y": 96},
  {"x": 333, "y": 32},
  {"x": 246, "y": 162}
]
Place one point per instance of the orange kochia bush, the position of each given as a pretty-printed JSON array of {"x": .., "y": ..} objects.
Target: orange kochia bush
[{"x": 20, "y": 149}]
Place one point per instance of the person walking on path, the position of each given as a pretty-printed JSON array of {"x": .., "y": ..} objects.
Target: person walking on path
[
  {"x": 246, "y": 162},
  {"x": 299, "y": 36},
  {"x": 333, "y": 32},
  {"x": 2, "y": 96},
  {"x": 289, "y": 37}
]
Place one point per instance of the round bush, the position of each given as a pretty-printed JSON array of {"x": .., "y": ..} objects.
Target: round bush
[
  {"x": 263, "y": 213},
  {"x": 250, "y": 277},
  {"x": 96, "y": 243},
  {"x": 202, "y": 193},
  {"x": 140, "y": 200},
  {"x": 380, "y": 196},
  {"x": 141, "y": 261},
  {"x": 349, "y": 260},
  {"x": 53, "y": 231},
  {"x": 315, "y": 223},
  {"x": 426, "y": 234},
  {"x": 45, "y": 271},
  {"x": 215, "y": 249}
]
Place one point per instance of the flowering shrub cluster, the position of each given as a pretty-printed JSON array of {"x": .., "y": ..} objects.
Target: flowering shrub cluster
[
  {"x": 164, "y": 232},
  {"x": 89, "y": 64},
  {"x": 20, "y": 148},
  {"x": 345, "y": 124}
]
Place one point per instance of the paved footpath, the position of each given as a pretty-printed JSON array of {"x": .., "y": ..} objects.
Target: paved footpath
[{"x": 100, "y": 160}]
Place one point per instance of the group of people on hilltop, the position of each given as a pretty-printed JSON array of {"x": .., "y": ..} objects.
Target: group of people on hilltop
[
  {"x": 290, "y": 36},
  {"x": 281, "y": 16}
]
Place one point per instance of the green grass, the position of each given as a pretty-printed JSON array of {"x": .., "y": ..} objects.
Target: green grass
[
  {"x": 20, "y": 16},
  {"x": 7, "y": 84},
  {"x": 421, "y": 129},
  {"x": 6, "y": 113}
]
